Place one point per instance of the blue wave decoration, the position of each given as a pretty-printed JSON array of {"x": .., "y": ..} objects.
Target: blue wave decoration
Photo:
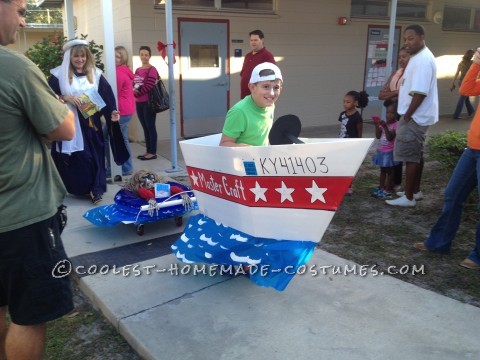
[{"x": 273, "y": 263}]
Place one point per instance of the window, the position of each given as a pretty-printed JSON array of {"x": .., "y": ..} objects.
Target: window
[
  {"x": 266, "y": 5},
  {"x": 193, "y": 3},
  {"x": 461, "y": 19},
  {"x": 204, "y": 56},
  {"x": 248, "y": 6},
  {"x": 412, "y": 11},
  {"x": 476, "y": 21},
  {"x": 381, "y": 9},
  {"x": 369, "y": 8}
]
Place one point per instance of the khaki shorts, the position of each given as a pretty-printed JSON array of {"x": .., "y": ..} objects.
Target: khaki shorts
[{"x": 409, "y": 141}]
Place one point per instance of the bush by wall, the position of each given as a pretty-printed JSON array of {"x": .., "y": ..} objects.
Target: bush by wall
[
  {"x": 447, "y": 147},
  {"x": 48, "y": 53}
]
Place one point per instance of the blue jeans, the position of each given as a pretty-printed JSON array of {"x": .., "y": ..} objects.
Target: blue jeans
[
  {"x": 147, "y": 119},
  {"x": 462, "y": 182},
  {"x": 461, "y": 101},
  {"x": 127, "y": 166}
]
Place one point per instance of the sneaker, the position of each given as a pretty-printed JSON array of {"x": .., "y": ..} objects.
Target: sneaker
[
  {"x": 402, "y": 201},
  {"x": 470, "y": 264},
  {"x": 417, "y": 196},
  {"x": 375, "y": 191},
  {"x": 382, "y": 194}
]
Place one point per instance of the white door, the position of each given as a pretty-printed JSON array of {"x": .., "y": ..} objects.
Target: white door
[{"x": 205, "y": 82}]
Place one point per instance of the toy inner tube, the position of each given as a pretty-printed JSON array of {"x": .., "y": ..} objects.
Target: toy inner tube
[{"x": 285, "y": 131}]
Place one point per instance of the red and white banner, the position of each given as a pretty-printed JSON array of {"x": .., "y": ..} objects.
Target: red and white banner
[{"x": 301, "y": 192}]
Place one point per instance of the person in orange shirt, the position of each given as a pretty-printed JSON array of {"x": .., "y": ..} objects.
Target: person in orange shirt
[{"x": 465, "y": 178}]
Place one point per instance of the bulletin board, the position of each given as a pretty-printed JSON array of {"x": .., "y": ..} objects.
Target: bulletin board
[{"x": 376, "y": 58}]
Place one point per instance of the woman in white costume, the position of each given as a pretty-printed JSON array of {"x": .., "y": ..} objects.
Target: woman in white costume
[{"x": 81, "y": 161}]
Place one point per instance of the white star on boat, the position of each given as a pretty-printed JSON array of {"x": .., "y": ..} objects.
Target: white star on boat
[
  {"x": 194, "y": 178},
  {"x": 285, "y": 192},
  {"x": 259, "y": 192},
  {"x": 316, "y": 192}
]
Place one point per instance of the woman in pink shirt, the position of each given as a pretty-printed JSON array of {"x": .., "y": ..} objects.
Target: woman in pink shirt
[
  {"x": 145, "y": 78},
  {"x": 126, "y": 105}
]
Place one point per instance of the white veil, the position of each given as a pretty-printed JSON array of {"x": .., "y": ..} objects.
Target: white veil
[{"x": 61, "y": 73}]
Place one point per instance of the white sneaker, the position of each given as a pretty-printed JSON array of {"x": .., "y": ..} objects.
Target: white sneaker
[
  {"x": 417, "y": 196},
  {"x": 402, "y": 201}
]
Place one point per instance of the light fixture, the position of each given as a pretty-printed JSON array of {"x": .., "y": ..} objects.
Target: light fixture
[{"x": 342, "y": 20}]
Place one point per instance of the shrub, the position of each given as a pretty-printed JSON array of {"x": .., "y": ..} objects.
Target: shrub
[
  {"x": 48, "y": 53},
  {"x": 447, "y": 147}
]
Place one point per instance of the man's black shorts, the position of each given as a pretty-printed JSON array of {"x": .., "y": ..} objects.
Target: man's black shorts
[{"x": 29, "y": 286}]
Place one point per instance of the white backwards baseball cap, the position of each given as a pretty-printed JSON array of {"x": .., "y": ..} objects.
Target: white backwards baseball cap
[{"x": 265, "y": 72}]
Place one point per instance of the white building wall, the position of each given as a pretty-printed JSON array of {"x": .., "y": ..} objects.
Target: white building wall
[
  {"x": 90, "y": 21},
  {"x": 27, "y": 37},
  {"x": 320, "y": 60}
]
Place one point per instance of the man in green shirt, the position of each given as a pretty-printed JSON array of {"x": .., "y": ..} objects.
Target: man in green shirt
[
  {"x": 249, "y": 121},
  {"x": 31, "y": 193}
]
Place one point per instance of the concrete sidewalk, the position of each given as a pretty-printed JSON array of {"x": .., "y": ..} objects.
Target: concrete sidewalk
[{"x": 165, "y": 312}]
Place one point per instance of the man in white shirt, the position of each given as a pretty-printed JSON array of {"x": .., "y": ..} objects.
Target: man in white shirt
[{"x": 418, "y": 107}]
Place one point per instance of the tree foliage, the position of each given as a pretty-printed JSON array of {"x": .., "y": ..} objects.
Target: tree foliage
[{"x": 37, "y": 15}]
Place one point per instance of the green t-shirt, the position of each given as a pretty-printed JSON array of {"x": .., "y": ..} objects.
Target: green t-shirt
[
  {"x": 30, "y": 187},
  {"x": 248, "y": 123}
]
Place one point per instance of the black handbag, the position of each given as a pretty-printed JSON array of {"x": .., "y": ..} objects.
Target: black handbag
[{"x": 158, "y": 99}]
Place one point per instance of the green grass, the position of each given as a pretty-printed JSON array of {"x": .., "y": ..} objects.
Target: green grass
[
  {"x": 85, "y": 335},
  {"x": 367, "y": 231}
]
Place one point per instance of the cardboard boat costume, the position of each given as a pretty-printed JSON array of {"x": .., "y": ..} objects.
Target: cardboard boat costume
[{"x": 265, "y": 207}]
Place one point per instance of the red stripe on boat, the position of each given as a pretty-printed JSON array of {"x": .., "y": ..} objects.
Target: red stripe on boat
[{"x": 301, "y": 192}]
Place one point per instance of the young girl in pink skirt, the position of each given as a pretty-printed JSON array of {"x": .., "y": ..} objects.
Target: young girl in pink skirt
[{"x": 385, "y": 132}]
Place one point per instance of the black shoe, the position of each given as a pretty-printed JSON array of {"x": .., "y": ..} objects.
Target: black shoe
[
  {"x": 117, "y": 178},
  {"x": 139, "y": 156},
  {"x": 96, "y": 198},
  {"x": 149, "y": 158}
]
